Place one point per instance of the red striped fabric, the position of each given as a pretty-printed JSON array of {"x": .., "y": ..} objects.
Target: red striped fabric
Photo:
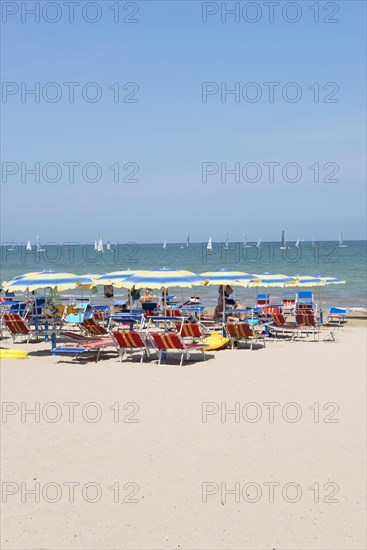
[
  {"x": 93, "y": 328},
  {"x": 169, "y": 340},
  {"x": 128, "y": 339},
  {"x": 15, "y": 323},
  {"x": 189, "y": 330}
]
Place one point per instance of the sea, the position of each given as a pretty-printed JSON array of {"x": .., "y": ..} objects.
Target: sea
[{"x": 323, "y": 258}]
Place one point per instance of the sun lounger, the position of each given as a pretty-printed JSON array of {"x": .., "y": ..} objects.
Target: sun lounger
[
  {"x": 190, "y": 330},
  {"x": 93, "y": 328},
  {"x": 243, "y": 331},
  {"x": 167, "y": 343},
  {"x": 337, "y": 315},
  {"x": 132, "y": 341},
  {"x": 307, "y": 324},
  {"x": 77, "y": 348},
  {"x": 18, "y": 326}
]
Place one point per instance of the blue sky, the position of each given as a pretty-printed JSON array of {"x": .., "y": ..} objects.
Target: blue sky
[{"x": 170, "y": 132}]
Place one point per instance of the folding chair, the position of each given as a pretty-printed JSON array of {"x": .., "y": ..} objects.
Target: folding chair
[
  {"x": 169, "y": 342},
  {"x": 242, "y": 331},
  {"x": 130, "y": 340}
]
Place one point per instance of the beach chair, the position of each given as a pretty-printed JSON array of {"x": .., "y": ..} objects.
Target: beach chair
[
  {"x": 243, "y": 331},
  {"x": 170, "y": 342},
  {"x": 307, "y": 324},
  {"x": 18, "y": 326},
  {"x": 92, "y": 345},
  {"x": 263, "y": 300},
  {"x": 289, "y": 300},
  {"x": 190, "y": 330},
  {"x": 282, "y": 327},
  {"x": 149, "y": 309},
  {"x": 131, "y": 340},
  {"x": 337, "y": 315},
  {"x": 100, "y": 312},
  {"x": 93, "y": 328},
  {"x": 305, "y": 302}
]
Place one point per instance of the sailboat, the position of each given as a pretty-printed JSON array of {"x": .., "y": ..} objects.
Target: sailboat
[
  {"x": 283, "y": 244},
  {"x": 226, "y": 243},
  {"x": 313, "y": 243},
  {"x": 209, "y": 246},
  {"x": 165, "y": 245},
  {"x": 258, "y": 244},
  {"x": 341, "y": 244},
  {"x": 108, "y": 245},
  {"x": 297, "y": 243},
  {"x": 38, "y": 245},
  {"x": 245, "y": 243},
  {"x": 188, "y": 241},
  {"x": 28, "y": 245},
  {"x": 12, "y": 248},
  {"x": 100, "y": 244}
]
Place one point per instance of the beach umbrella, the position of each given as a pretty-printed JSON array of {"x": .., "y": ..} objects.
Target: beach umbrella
[
  {"x": 114, "y": 278},
  {"x": 308, "y": 280},
  {"x": 223, "y": 277},
  {"x": 46, "y": 279},
  {"x": 163, "y": 278},
  {"x": 332, "y": 280},
  {"x": 269, "y": 280}
]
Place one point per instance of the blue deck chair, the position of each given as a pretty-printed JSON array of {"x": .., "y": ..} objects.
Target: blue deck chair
[{"x": 337, "y": 315}]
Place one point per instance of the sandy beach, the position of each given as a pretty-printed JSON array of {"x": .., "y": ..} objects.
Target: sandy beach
[{"x": 152, "y": 457}]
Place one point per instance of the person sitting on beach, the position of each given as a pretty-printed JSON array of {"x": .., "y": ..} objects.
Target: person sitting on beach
[
  {"x": 237, "y": 316},
  {"x": 147, "y": 296}
]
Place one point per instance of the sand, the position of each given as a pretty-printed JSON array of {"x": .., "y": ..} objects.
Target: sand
[{"x": 177, "y": 468}]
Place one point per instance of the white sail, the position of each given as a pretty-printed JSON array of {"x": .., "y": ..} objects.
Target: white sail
[
  {"x": 38, "y": 245},
  {"x": 258, "y": 243},
  {"x": 95, "y": 245},
  {"x": 12, "y": 248},
  {"x": 188, "y": 241},
  {"x": 100, "y": 244},
  {"x": 209, "y": 246},
  {"x": 297, "y": 242},
  {"x": 341, "y": 244},
  {"x": 226, "y": 243},
  {"x": 283, "y": 244},
  {"x": 108, "y": 245},
  {"x": 245, "y": 243},
  {"x": 28, "y": 246},
  {"x": 165, "y": 244}
]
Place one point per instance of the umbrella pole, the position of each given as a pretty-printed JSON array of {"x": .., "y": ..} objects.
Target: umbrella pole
[{"x": 223, "y": 314}]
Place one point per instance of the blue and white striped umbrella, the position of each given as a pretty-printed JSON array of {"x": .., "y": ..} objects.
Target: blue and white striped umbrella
[
  {"x": 46, "y": 279},
  {"x": 223, "y": 277},
  {"x": 269, "y": 280},
  {"x": 162, "y": 278}
]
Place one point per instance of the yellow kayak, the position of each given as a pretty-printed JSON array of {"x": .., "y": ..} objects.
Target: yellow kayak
[
  {"x": 215, "y": 342},
  {"x": 13, "y": 354}
]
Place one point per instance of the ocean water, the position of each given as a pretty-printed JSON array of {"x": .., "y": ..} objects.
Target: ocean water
[{"x": 326, "y": 259}]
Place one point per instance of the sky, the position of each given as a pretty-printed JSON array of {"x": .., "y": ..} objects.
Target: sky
[{"x": 155, "y": 148}]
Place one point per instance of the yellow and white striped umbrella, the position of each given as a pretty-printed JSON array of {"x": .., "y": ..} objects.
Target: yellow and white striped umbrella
[
  {"x": 222, "y": 277},
  {"x": 162, "y": 278},
  {"x": 270, "y": 280},
  {"x": 308, "y": 280},
  {"x": 46, "y": 279}
]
